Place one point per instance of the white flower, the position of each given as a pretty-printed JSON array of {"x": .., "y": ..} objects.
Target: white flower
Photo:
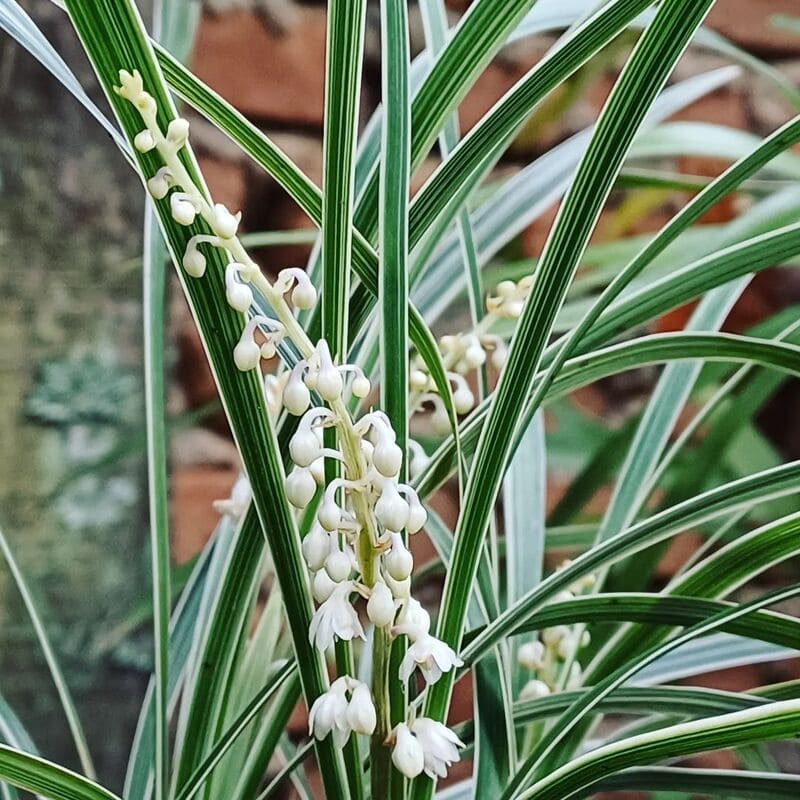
[
  {"x": 431, "y": 655},
  {"x": 398, "y": 561},
  {"x": 531, "y": 655},
  {"x": 380, "y": 606},
  {"x": 534, "y": 689},
  {"x": 178, "y": 132},
  {"x": 237, "y": 503},
  {"x": 329, "y": 713},
  {"x": 300, "y": 487},
  {"x": 316, "y": 546},
  {"x": 439, "y": 745},
  {"x": 361, "y": 714},
  {"x": 225, "y": 224},
  {"x": 144, "y": 142},
  {"x": 415, "y": 615},
  {"x": 335, "y": 617},
  {"x": 407, "y": 754}
]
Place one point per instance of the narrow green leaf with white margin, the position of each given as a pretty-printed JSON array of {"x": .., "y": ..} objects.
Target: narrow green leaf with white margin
[
  {"x": 719, "y": 502},
  {"x": 479, "y": 35},
  {"x": 240, "y": 724},
  {"x": 642, "y": 78},
  {"x": 434, "y": 20},
  {"x": 395, "y": 173},
  {"x": 773, "y": 722},
  {"x": 114, "y": 38},
  {"x": 344, "y": 54},
  {"x": 64, "y": 695},
  {"x": 154, "y": 297},
  {"x": 573, "y": 718},
  {"x": 731, "y": 784},
  {"x": 46, "y": 779}
]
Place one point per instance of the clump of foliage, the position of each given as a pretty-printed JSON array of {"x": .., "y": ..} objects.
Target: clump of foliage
[{"x": 334, "y": 484}]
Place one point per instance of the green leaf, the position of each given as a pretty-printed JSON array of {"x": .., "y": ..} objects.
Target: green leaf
[
  {"x": 226, "y": 619},
  {"x": 344, "y": 53},
  {"x": 395, "y": 167},
  {"x": 184, "y": 619},
  {"x": 722, "y": 783},
  {"x": 114, "y": 38},
  {"x": 64, "y": 694},
  {"x": 224, "y": 743},
  {"x": 44, "y": 778},
  {"x": 154, "y": 277},
  {"x": 573, "y": 717},
  {"x": 775, "y": 721},
  {"x": 709, "y": 505}
]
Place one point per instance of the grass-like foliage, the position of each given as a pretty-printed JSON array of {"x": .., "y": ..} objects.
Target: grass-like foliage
[{"x": 369, "y": 414}]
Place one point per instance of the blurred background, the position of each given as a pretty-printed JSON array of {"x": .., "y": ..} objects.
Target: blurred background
[{"x": 72, "y": 477}]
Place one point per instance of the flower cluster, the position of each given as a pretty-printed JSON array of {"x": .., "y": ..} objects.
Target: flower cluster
[
  {"x": 552, "y": 653},
  {"x": 356, "y": 548},
  {"x": 463, "y": 353}
]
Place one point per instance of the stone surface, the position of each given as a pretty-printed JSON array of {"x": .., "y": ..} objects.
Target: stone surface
[{"x": 265, "y": 72}]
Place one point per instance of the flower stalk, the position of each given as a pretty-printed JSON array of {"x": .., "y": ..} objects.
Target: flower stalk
[{"x": 356, "y": 547}]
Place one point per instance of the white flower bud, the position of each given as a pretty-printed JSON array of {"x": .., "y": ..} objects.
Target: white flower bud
[
  {"x": 567, "y": 646},
  {"x": 553, "y": 636},
  {"x": 506, "y": 289},
  {"x": 499, "y": 356},
  {"x": 131, "y": 85},
  {"x": 316, "y": 546},
  {"x": 318, "y": 470},
  {"x": 304, "y": 295},
  {"x": 531, "y": 655},
  {"x": 474, "y": 356},
  {"x": 144, "y": 141},
  {"x": 534, "y": 689},
  {"x": 304, "y": 447},
  {"x": 178, "y": 132},
  {"x": 225, "y": 224},
  {"x": 296, "y": 396},
  {"x": 194, "y": 262},
  {"x": 159, "y": 184},
  {"x": 398, "y": 561},
  {"x": 463, "y": 400},
  {"x": 401, "y": 590},
  {"x": 387, "y": 457},
  {"x": 329, "y": 383},
  {"x": 407, "y": 754},
  {"x": 338, "y": 565},
  {"x": 361, "y": 715},
  {"x": 300, "y": 487},
  {"x": 360, "y": 386},
  {"x": 440, "y": 421},
  {"x": 322, "y": 586},
  {"x": 380, "y": 606},
  {"x": 239, "y": 296},
  {"x": 418, "y": 380},
  {"x": 329, "y": 514},
  {"x": 417, "y": 515},
  {"x": 246, "y": 354},
  {"x": 390, "y": 509},
  {"x": 183, "y": 211}
]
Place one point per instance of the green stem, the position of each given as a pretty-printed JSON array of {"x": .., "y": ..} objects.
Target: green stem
[{"x": 381, "y": 767}]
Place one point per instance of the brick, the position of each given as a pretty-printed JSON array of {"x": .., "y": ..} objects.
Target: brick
[
  {"x": 748, "y": 23},
  {"x": 193, "y": 491},
  {"x": 226, "y": 181},
  {"x": 263, "y": 72}
]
